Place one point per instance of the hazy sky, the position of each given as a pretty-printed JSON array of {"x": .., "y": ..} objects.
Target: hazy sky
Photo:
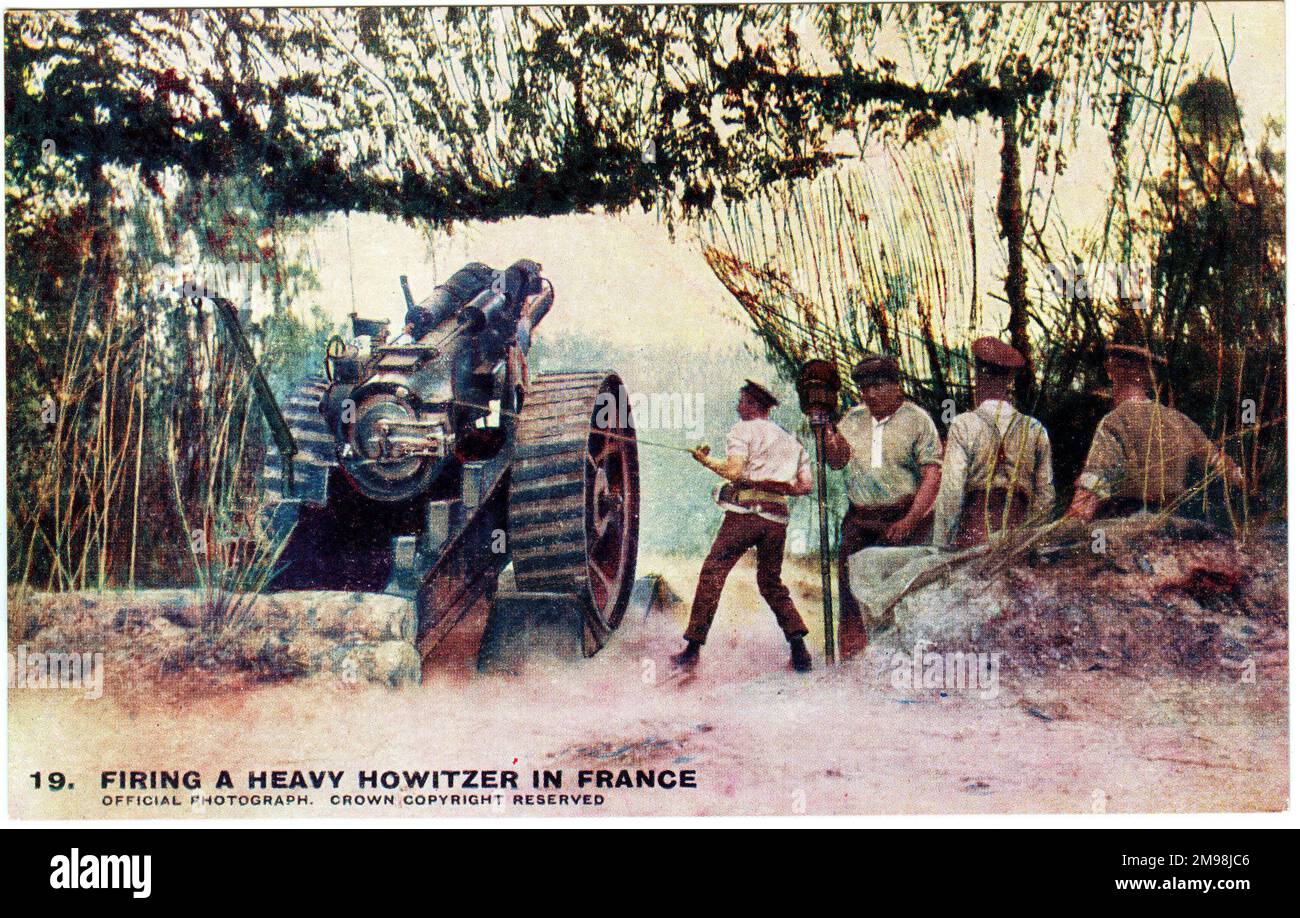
[{"x": 625, "y": 278}]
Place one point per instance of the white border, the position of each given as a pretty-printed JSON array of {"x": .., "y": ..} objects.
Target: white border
[{"x": 1072, "y": 821}]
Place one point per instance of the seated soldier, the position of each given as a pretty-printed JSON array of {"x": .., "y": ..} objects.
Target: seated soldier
[
  {"x": 997, "y": 464},
  {"x": 1143, "y": 451}
]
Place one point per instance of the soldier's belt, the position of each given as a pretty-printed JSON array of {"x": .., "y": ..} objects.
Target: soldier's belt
[
  {"x": 757, "y": 496},
  {"x": 742, "y": 500}
]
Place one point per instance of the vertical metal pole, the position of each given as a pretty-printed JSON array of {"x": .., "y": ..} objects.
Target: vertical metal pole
[{"x": 828, "y": 608}]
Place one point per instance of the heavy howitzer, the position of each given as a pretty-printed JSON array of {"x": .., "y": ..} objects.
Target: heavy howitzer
[{"x": 428, "y": 464}]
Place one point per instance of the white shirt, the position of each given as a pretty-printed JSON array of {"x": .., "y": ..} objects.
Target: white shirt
[
  {"x": 1003, "y": 412},
  {"x": 878, "y": 440},
  {"x": 973, "y": 454},
  {"x": 770, "y": 452}
]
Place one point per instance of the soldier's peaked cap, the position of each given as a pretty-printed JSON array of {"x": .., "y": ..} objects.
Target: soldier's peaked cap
[
  {"x": 1133, "y": 353},
  {"x": 759, "y": 394},
  {"x": 998, "y": 356},
  {"x": 875, "y": 368}
]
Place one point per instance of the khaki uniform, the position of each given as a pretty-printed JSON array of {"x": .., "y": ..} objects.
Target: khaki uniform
[
  {"x": 884, "y": 471},
  {"x": 1142, "y": 455},
  {"x": 997, "y": 473},
  {"x": 887, "y": 457}
]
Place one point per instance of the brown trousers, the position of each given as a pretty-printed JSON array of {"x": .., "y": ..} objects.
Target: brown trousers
[
  {"x": 864, "y": 527},
  {"x": 985, "y": 512},
  {"x": 739, "y": 533}
]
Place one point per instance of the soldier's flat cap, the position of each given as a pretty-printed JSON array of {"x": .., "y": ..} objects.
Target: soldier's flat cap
[
  {"x": 996, "y": 355},
  {"x": 1134, "y": 353},
  {"x": 759, "y": 394},
  {"x": 875, "y": 368}
]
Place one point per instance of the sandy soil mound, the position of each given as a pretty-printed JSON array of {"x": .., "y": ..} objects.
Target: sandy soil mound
[{"x": 1178, "y": 597}]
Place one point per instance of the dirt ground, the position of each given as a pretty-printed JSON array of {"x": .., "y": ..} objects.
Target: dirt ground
[{"x": 761, "y": 739}]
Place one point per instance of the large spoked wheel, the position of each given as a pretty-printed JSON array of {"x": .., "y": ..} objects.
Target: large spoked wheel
[{"x": 575, "y": 496}]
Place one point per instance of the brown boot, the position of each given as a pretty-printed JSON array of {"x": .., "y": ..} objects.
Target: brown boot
[
  {"x": 800, "y": 659},
  {"x": 688, "y": 657}
]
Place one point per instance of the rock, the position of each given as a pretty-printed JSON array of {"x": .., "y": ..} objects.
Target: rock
[
  {"x": 368, "y": 616},
  {"x": 392, "y": 663},
  {"x": 166, "y": 630},
  {"x": 115, "y": 609},
  {"x": 955, "y": 608},
  {"x": 364, "y": 637},
  {"x": 358, "y": 616}
]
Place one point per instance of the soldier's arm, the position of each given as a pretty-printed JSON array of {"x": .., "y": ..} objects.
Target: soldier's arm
[
  {"x": 1105, "y": 463},
  {"x": 1216, "y": 459},
  {"x": 1084, "y": 506},
  {"x": 1101, "y": 470},
  {"x": 927, "y": 452},
  {"x": 1228, "y": 469},
  {"x": 801, "y": 485},
  {"x": 922, "y": 501},
  {"x": 732, "y": 468},
  {"x": 952, "y": 489},
  {"x": 535, "y": 308},
  {"x": 929, "y": 456},
  {"x": 838, "y": 451}
]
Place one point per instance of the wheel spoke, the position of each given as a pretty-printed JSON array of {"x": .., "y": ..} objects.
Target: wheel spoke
[
  {"x": 606, "y": 588},
  {"x": 599, "y": 457}
]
